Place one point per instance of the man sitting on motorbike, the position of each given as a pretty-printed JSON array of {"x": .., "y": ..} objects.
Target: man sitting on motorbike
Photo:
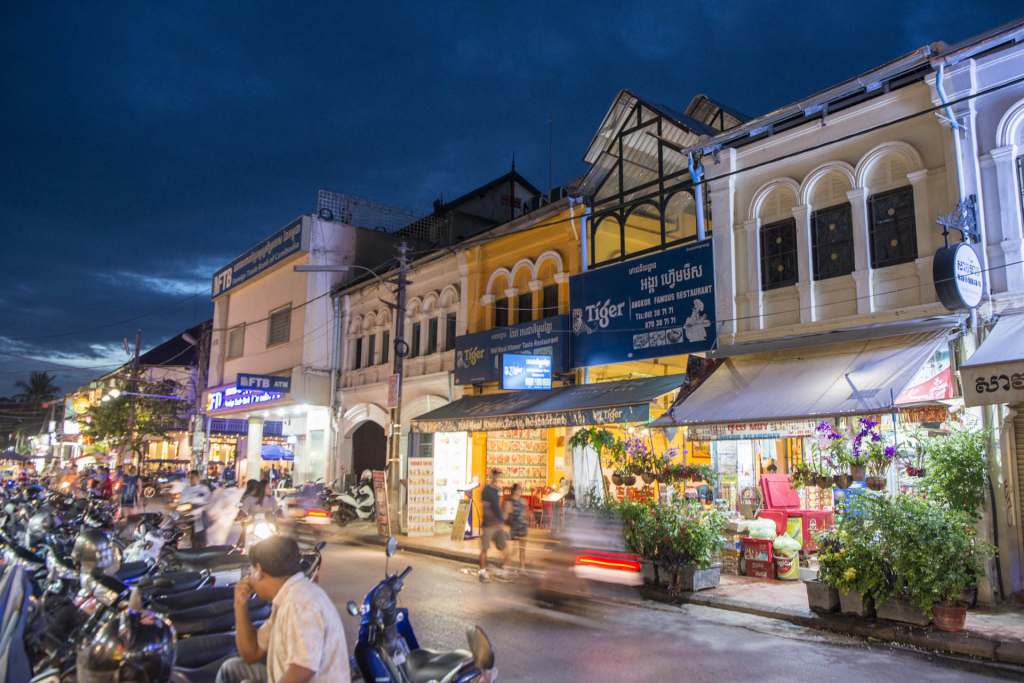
[{"x": 303, "y": 641}]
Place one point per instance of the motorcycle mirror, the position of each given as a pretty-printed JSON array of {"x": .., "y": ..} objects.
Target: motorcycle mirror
[
  {"x": 392, "y": 546},
  {"x": 352, "y": 608}
]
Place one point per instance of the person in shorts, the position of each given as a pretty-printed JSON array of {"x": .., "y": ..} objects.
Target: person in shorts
[
  {"x": 516, "y": 513},
  {"x": 493, "y": 523}
]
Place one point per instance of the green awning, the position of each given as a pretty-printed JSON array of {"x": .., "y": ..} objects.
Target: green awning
[{"x": 616, "y": 402}]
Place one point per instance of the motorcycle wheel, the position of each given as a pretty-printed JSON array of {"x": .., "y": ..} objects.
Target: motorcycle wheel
[{"x": 344, "y": 516}]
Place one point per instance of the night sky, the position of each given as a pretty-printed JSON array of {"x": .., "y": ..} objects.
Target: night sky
[{"x": 144, "y": 145}]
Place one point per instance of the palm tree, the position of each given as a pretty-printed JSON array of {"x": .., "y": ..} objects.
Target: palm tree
[{"x": 38, "y": 389}]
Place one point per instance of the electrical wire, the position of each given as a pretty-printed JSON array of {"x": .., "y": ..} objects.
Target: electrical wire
[{"x": 563, "y": 221}]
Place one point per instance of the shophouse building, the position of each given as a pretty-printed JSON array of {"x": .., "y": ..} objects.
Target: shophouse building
[{"x": 272, "y": 321}]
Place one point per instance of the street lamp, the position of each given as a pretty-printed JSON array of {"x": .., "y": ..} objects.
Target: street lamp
[{"x": 400, "y": 348}]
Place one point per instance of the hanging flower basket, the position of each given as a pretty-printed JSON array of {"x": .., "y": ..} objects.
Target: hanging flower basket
[
  {"x": 842, "y": 481},
  {"x": 876, "y": 483},
  {"x": 858, "y": 472},
  {"x": 629, "y": 480},
  {"x": 617, "y": 479},
  {"x": 648, "y": 477}
]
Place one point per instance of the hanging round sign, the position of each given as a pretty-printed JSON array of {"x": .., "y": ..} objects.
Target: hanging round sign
[{"x": 959, "y": 281}]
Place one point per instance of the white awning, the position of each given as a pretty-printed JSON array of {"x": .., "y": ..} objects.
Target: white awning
[
  {"x": 995, "y": 373},
  {"x": 849, "y": 378}
]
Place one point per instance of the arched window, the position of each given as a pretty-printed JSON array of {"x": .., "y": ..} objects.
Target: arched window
[
  {"x": 831, "y": 227},
  {"x": 642, "y": 229},
  {"x": 779, "y": 263},
  {"x": 892, "y": 226},
  {"x": 607, "y": 239},
  {"x": 680, "y": 218}
]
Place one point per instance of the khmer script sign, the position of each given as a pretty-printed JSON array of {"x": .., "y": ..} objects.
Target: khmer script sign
[{"x": 657, "y": 305}]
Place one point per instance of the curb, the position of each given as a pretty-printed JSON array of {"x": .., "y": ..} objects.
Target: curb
[{"x": 1005, "y": 653}]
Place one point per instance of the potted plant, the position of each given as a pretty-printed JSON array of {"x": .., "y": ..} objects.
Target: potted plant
[
  {"x": 850, "y": 560},
  {"x": 694, "y": 544},
  {"x": 831, "y": 453},
  {"x": 955, "y": 473},
  {"x": 600, "y": 440},
  {"x": 935, "y": 554}
]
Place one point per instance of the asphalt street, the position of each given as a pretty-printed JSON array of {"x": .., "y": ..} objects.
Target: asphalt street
[{"x": 615, "y": 642}]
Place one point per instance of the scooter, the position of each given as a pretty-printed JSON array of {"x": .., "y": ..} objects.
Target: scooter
[
  {"x": 357, "y": 502},
  {"x": 387, "y": 650}
]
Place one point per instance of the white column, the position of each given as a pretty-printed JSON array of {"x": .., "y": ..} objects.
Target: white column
[
  {"x": 863, "y": 275},
  {"x": 1010, "y": 246},
  {"x": 723, "y": 245},
  {"x": 927, "y": 231},
  {"x": 805, "y": 284},
  {"x": 253, "y": 450},
  {"x": 755, "y": 297}
]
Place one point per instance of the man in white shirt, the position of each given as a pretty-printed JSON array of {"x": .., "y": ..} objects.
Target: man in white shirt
[{"x": 303, "y": 641}]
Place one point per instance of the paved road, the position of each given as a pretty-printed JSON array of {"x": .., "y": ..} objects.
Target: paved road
[{"x": 623, "y": 643}]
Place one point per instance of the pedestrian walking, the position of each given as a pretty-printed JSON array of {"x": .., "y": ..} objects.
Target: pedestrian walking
[
  {"x": 518, "y": 523},
  {"x": 493, "y": 524}
]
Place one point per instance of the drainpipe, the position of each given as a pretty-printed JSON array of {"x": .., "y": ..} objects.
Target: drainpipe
[
  {"x": 584, "y": 250},
  {"x": 697, "y": 176},
  {"x": 335, "y": 358},
  {"x": 940, "y": 88}
]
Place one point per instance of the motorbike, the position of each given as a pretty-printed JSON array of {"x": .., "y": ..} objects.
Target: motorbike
[
  {"x": 387, "y": 650},
  {"x": 357, "y": 502}
]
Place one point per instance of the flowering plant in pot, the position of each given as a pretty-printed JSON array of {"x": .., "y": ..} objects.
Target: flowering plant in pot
[
  {"x": 832, "y": 454},
  {"x": 640, "y": 459},
  {"x": 850, "y": 560},
  {"x": 868, "y": 452}
]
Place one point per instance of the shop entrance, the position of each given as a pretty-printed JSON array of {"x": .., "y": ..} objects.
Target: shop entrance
[{"x": 369, "y": 448}]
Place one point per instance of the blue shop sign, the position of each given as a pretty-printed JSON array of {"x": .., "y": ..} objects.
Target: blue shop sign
[
  {"x": 478, "y": 355},
  {"x": 247, "y": 380},
  {"x": 525, "y": 372},
  {"x": 652, "y": 306},
  {"x": 266, "y": 254}
]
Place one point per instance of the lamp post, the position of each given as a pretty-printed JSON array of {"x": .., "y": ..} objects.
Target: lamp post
[{"x": 399, "y": 350}]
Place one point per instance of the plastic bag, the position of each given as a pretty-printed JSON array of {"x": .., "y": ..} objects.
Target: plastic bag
[
  {"x": 787, "y": 546},
  {"x": 760, "y": 528}
]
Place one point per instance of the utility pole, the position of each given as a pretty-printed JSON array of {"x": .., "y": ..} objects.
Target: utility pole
[
  {"x": 131, "y": 396},
  {"x": 401, "y": 348}
]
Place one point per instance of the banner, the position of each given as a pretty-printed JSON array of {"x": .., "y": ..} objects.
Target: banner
[
  {"x": 657, "y": 305},
  {"x": 271, "y": 251},
  {"x": 478, "y": 355}
]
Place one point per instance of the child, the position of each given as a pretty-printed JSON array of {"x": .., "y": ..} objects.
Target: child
[{"x": 515, "y": 513}]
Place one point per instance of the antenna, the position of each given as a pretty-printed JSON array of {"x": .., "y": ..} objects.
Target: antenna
[{"x": 551, "y": 135}]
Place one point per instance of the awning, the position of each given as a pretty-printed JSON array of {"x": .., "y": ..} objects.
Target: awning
[
  {"x": 275, "y": 452},
  {"x": 995, "y": 373},
  {"x": 583, "y": 404},
  {"x": 802, "y": 385}
]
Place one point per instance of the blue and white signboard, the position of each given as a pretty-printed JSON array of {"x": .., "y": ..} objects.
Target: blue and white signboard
[
  {"x": 520, "y": 371},
  {"x": 230, "y": 398},
  {"x": 271, "y": 251},
  {"x": 657, "y": 305},
  {"x": 264, "y": 382},
  {"x": 478, "y": 355}
]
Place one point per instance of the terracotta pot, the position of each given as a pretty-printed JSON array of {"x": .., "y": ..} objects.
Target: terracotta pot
[
  {"x": 842, "y": 481},
  {"x": 617, "y": 479},
  {"x": 858, "y": 472},
  {"x": 648, "y": 477},
  {"x": 875, "y": 483},
  {"x": 629, "y": 480},
  {"x": 949, "y": 617}
]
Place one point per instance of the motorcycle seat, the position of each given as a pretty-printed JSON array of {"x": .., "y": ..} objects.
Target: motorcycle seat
[
  {"x": 171, "y": 582},
  {"x": 221, "y": 623},
  {"x": 212, "y": 609},
  {"x": 210, "y": 556},
  {"x": 193, "y": 653},
  {"x": 425, "y": 665},
  {"x": 131, "y": 570},
  {"x": 172, "y": 602}
]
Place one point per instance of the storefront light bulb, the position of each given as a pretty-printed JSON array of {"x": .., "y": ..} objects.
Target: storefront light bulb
[
  {"x": 105, "y": 398},
  {"x": 115, "y": 393}
]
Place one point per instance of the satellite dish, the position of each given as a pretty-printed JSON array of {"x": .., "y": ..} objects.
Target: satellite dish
[{"x": 326, "y": 214}]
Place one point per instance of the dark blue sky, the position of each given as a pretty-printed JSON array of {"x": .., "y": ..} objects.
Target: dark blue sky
[{"x": 144, "y": 144}]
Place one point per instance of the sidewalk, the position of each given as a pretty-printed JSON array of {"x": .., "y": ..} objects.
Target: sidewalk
[{"x": 996, "y": 635}]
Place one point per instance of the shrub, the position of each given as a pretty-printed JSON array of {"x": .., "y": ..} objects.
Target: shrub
[{"x": 955, "y": 470}]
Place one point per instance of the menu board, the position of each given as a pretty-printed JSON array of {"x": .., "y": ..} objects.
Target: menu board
[
  {"x": 451, "y": 472},
  {"x": 421, "y": 497},
  {"x": 521, "y": 455}
]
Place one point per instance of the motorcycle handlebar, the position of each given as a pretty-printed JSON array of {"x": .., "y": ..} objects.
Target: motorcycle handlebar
[{"x": 405, "y": 573}]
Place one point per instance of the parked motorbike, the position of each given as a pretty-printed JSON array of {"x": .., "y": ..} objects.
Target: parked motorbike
[
  {"x": 387, "y": 649},
  {"x": 357, "y": 502}
]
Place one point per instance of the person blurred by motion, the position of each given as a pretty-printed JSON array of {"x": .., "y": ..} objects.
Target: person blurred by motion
[
  {"x": 518, "y": 523},
  {"x": 494, "y": 523},
  {"x": 303, "y": 641},
  {"x": 198, "y": 494}
]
